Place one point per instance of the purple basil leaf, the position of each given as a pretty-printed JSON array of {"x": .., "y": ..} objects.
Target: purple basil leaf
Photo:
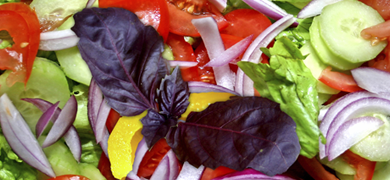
[
  {"x": 173, "y": 95},
  {"x": 244, "y": 132},
  {"x": 156, "y": 126},
  {"x": 124, "y": 57},
  {"x": 173, "y": 100}
]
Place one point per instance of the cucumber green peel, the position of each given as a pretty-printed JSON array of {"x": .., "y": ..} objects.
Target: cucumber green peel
[{"x": 340, "y": 25}]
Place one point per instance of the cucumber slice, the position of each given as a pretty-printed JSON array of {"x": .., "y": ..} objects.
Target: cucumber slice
[
  {"x": 340, "y": 27},
  {"x": 61, "y": 159},
  {"x": 324, "y": 53},
  {"x": 339, "y": 165},
  {"x": 375, "y": 147},
  {"x": 47, "y": 81},
  {"x": 74, "y": 65},
  {"x": 316, "y": 67}
]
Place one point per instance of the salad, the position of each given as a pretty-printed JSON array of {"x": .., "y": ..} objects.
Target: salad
[{"x": 196, "y": 89}]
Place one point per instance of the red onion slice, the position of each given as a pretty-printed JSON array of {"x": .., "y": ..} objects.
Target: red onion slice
[
  {"x": 189, "y": 172},
  {"x": 251, "y": 174},
  {"x": 334, "y": 109},
  {"x": 95, "y": 99},
  {"x": 208, "y": 30},
  {"x": 219, "y": 4},
  {"x": 230, "y": 54},
  {"x": 371, "y": 79},
  {"x": 142, "y": 148},
  {"x": 45, "y": 118},
  {"x": 199, "y": 87},
  {"x": 71, "y": 137},
  {"x": 314, "y": 8},
  {"x": 90, "y": 3},
  {"x": 58, "y": 40},
  {"x": 62, "y": 124},
  {"x": 356, "y": 109},
  {"x": 168, "y": 168},
  {"x": 350, "y": 133},
  {"x": 244, "y": 85},
  {"x": 132, "y": 176},
  {"x": 101, "y": 120},
  {"x": 182, "y": 63},
  {"x": 20, "y": 137}
]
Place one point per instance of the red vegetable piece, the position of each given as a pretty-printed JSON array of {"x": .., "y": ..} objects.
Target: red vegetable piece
[
  {"x": 150, "y": 12},
  {"x": 246, "y": 22},
  {"x": 338, "y": 80},
  {"x": 112, "y": 119},
  {"x": 364, "y": 168},
  {"x": 105, "y": 167},
  {"x": 152, "y": 158},
  {"x": 180, "y": 20},
  {"x": 315, "y": 168},
  {"x": 209, "y": 173},
  {"x": 22, "y": 24},
  {"x": 182, "y": 51}
]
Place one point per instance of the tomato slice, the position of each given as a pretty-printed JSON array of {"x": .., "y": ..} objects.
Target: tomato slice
[
  {"x": 150, "y": 12},
  {"x": 180, "y": 21},
  {"x": 22, "y": 24},
  {"x": 315, "y": 169},
  {"x": 182, "y": 51},
  {"x": 209, "y": 173},
  {"x": 364, "y": 168},
  {"x": 69, "y": 177},
  {"x": 152, "y": 158},
  {"x": 382, "y": 6},
  {"x": 245, "y": 22},
  {"x": 112, "y": 119},
  {"x": 105, "y": 167},
  {"x": 338, "y": 80}
]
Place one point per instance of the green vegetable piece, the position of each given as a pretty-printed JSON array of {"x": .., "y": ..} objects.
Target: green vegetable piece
[
  {"x": 340, "y": 27},
  {"x": 74, "y": 66},
  {"x": 81, "y": 122},
  {"x": 299, "y": 35},
  {"x": 288, "y": 81},
  {"x": 90, "y": 172},
  {"x": 11, "y": 166},
  {"x": 47, "y": 81}
]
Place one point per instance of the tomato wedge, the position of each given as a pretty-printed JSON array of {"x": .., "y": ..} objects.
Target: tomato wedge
[
  {"x": 245, "y": 22},
  {"x": 152, "y": 158},
  {"x": 69, "y": 177},
  {"x": 209, "y": 173},
  {"x": 180, "y": 21},
  {"x": 182, "y": 51},
  {"x": 364, "y": 168},
  {"x": 104, "y": 167},
  {"x": 112, "y": 119},
  {"x": 22, "y": 25},
  {"x": 150, "y": 12},
  {"x": 315, "y": 169},
  {"x": 338, "y": 80}
]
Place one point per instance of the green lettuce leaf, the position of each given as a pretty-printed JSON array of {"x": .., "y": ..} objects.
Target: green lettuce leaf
[
  {"x": 287, "y": 81},
  {"x": 299, "y": 35},
  {"x": 11, "y": 166}
]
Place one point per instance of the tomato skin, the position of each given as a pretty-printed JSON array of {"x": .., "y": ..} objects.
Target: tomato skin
[
  {"x": 182, "y": 51},
  {"x": 364, "y": 168},
  {"x": 112, "y": 119},
  {"x": 105, "y": 167},
  {"x": 209, "y": 173},
  {"x": 180, "y": 21},
  {"x": 338, "y": 80},
  {"x": 22, "y": 24},
  {"x": 69, "y": 177},
  {"x": 315, "y": 169},
  {"x": 152, "y": 158},
  {"x": 245, "y": 22},
  {"x": 150, "y": 12}
]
